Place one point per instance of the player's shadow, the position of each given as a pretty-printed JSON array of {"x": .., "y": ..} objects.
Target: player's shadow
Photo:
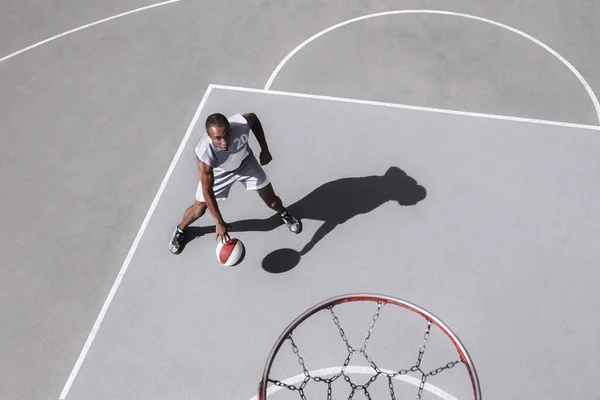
[{"x": 334, "y": 203}]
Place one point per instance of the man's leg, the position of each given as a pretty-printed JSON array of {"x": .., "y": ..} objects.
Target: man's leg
[
  {"x": 267, "y": 194},
  {"x": 193, "y": 212},
  {"x": 190, "y": 215}
]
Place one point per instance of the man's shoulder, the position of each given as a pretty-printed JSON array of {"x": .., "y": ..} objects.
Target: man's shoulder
[
  {"x": 237, "y": 119},
  {"x": 203, "y": 142},
  {"x": 239, "y": 125},
  {"x": 203, "y": 148}
]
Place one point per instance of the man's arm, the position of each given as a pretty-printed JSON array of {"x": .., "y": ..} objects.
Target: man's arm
[
  {"x": 207, "y": 180},
  {"x": 256, "y": 127}
]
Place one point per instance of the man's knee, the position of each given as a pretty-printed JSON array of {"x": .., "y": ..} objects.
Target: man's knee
[{"x": 199, "y": 208}]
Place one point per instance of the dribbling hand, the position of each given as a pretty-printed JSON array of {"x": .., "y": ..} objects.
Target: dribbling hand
[{"x": 221, "y": 230}]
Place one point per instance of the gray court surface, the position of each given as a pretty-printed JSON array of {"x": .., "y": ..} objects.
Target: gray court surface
[
  {"x": 487, "y": 223},
  {"x": 492, "y": 228}
]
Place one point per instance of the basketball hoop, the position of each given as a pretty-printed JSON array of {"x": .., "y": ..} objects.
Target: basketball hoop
[{"x": 269, "y": 385}]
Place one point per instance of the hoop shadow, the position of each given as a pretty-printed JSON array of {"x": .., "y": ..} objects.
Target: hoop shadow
[{"x": 334, "y": 203}]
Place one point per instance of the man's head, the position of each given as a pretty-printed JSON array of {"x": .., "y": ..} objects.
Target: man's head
[{"x": 217, "y": 127}]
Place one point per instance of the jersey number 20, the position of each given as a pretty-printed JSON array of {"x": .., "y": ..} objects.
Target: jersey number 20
[{"x": 241, "y": 141}]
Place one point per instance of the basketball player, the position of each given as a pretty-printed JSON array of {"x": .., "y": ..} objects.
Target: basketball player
[{"x": 224, "y": 157}]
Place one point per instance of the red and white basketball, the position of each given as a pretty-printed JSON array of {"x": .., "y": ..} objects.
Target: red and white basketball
[{"x": 230, "y": 252}]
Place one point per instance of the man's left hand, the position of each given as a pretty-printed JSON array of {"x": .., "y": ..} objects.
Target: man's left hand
[{"x": 265, "y": 157}]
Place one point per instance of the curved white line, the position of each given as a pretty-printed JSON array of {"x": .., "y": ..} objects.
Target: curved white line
[
  {"x": 359, "y": 370},
  {"x": 33, "y": 46},
  {"x": 587, "y": 87}
]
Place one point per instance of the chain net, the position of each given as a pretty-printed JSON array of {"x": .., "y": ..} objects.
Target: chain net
[{"x": 378, "y": 372}]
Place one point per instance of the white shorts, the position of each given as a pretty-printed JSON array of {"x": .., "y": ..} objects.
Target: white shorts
[{"x": 250, "y": 174}]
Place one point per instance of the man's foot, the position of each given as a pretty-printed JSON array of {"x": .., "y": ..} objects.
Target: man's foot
[
  {"x": 176, "y": 243},
  {"x": 291, "y": 222}
]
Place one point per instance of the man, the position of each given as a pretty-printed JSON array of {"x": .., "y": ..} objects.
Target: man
[{"x": 224, "y": 157}]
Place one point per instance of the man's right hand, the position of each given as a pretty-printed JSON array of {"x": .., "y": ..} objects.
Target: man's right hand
[{"x": 221, "y": 230}]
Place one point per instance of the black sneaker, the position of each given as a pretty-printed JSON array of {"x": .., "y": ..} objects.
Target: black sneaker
[
  {"x": 291, "y": 222},
  {"x": 176, "y": 243}
]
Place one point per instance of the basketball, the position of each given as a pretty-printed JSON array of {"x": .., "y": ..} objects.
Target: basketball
[{"x": 231, "y": 252}]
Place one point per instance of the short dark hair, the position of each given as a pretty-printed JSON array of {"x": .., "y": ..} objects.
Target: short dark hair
[{"x": 216, "y": 120}]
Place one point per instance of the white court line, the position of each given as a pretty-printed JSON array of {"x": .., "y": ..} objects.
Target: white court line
[
  {"x": 33, "y": 46},
  {"x": 407, "y": 107},
  {"x": 587, "y": 87},
  {"x": 359, "y": 370},
  {"x": 132, "y": 250}
]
